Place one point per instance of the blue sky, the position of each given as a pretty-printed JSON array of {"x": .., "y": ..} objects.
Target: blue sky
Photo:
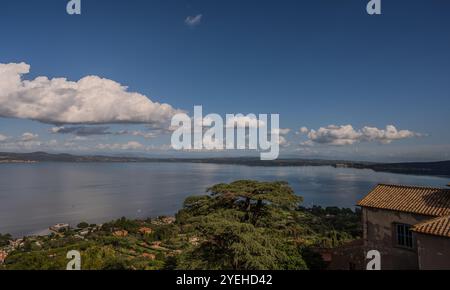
[{"x": 316, "y": 63}]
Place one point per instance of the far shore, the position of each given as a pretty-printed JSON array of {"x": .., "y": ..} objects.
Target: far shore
[{"x": 439, "y": 168}]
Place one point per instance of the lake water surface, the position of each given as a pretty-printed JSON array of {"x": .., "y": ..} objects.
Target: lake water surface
[{"x": 35, "y": 196}]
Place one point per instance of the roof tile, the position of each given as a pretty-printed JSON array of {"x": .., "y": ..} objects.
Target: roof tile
[
  {"x": 412, "y": 199},
  {"x": 438, "y": 227}
]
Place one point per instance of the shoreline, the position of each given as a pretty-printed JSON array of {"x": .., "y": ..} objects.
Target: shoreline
[{"x": 373, "y": 168}]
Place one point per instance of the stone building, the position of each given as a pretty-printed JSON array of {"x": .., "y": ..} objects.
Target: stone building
[{"x": 408, "y": 225}]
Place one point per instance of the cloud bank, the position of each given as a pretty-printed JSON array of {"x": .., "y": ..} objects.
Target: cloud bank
[
  {"x": 82, "y": 131},
  {"x": 347, "y": 135},
  {"x": 91, "y": 100},
  {"x": 85, "y": 131}
]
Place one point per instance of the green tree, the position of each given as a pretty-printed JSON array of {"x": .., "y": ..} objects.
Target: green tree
[
  {"x": 244, "y": 225},
  {"x": 83, "y": 225},
  {"x": 253, "y": 197},
  {"x": 4, "y": 239},
  {"x": 233, "y": 245}
]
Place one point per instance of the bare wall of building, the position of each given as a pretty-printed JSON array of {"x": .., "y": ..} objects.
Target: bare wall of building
[
  {"x": 379, "y": 234},
  {"x": 434, "y": 252}
]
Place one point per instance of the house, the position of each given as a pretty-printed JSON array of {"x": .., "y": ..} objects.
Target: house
[
  {"x": 145, "y": 231},
  {"x": 408, "y": 225},
  {"x": 60, "y": 228},
  {"x": 16, "y": 243},
  {"x": 121, "y": 233},
  {"x": 433, "y": 243},
  {"x": 84, "y": 232},
  {"x": 3, "y": 256}
]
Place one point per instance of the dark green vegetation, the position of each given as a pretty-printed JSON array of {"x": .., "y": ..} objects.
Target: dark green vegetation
[
  {"x": 419, "y": 168},
  {"x": 4, "y": 240},
  {"x": 242, "y": 225}
]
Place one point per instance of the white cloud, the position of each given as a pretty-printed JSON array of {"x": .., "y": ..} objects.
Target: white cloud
[
  {"x": 304, "y": 130},
  {"x": 282, "y": 136},
  {"x": 193, "y": 20},
  {"x": 282, "y": 141},
  {"x": 3, "y": 138},
  {"x": 79, "y": 138},
  {"x": 76, "y": 144},
  {"x": 335, "y": 135},
  {"x": 281, "y": 131},
  {"x": 347, "y": 135},
  {"x": 241, "y": 121},
  {"x": 307, "y": 143},
  {"x": 28, "y": 137},
  {"x": 138, "y": 133},
  {"x": 132, "y": 145},
  {"x": 91, "y": 100},
  {"x": 25, "y": 142},
  {"x": 388, "y": 135}
]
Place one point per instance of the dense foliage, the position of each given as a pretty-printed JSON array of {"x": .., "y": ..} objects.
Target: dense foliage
[
  {"x": 241, "y": 225},
  {"x": 4, "y": 240}
]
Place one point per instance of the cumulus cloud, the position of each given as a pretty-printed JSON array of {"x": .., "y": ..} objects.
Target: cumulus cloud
[
  {"x": 3, "y": 138},
  {"x": 304, "y": 130},
  {"x": 282, "y": 136},
  {"x": 335, "y": 135},
  {"x": 26, "y": 141},
  {"x": 91, "y": 100},
  {"x": 387, "y": 135},
  {"x": 347, "y": 135},
  {"x": 28, "y": 137},
  {"x": 193, "y": 20}
]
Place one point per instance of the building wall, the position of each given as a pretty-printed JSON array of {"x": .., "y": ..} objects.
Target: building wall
[
  {"x": 434, "y": 252},
  {"x": 348, "y": 257},
  {"x": 378, "y": 227}
]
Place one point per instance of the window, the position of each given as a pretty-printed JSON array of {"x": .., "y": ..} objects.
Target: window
[{"x": 404, "y": 236}]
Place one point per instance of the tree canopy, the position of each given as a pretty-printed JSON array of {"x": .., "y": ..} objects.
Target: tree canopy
[
  {"x": 254, "y": 197},
  {"x": 243, "y": 225}
]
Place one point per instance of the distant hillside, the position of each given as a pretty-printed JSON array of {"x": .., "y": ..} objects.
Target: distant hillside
[
  {"x": 46, "y": 157},
  {"x": 441, "y": 168},
  {"x": 249, "y": 161}
]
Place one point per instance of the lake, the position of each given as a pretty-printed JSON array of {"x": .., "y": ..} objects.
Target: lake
[{"x": 35, "y": 196}]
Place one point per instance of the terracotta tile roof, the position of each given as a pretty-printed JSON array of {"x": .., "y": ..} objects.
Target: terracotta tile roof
[
  {"x": 412, "y": 199},
  {"x": 437, "y": 227}
]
